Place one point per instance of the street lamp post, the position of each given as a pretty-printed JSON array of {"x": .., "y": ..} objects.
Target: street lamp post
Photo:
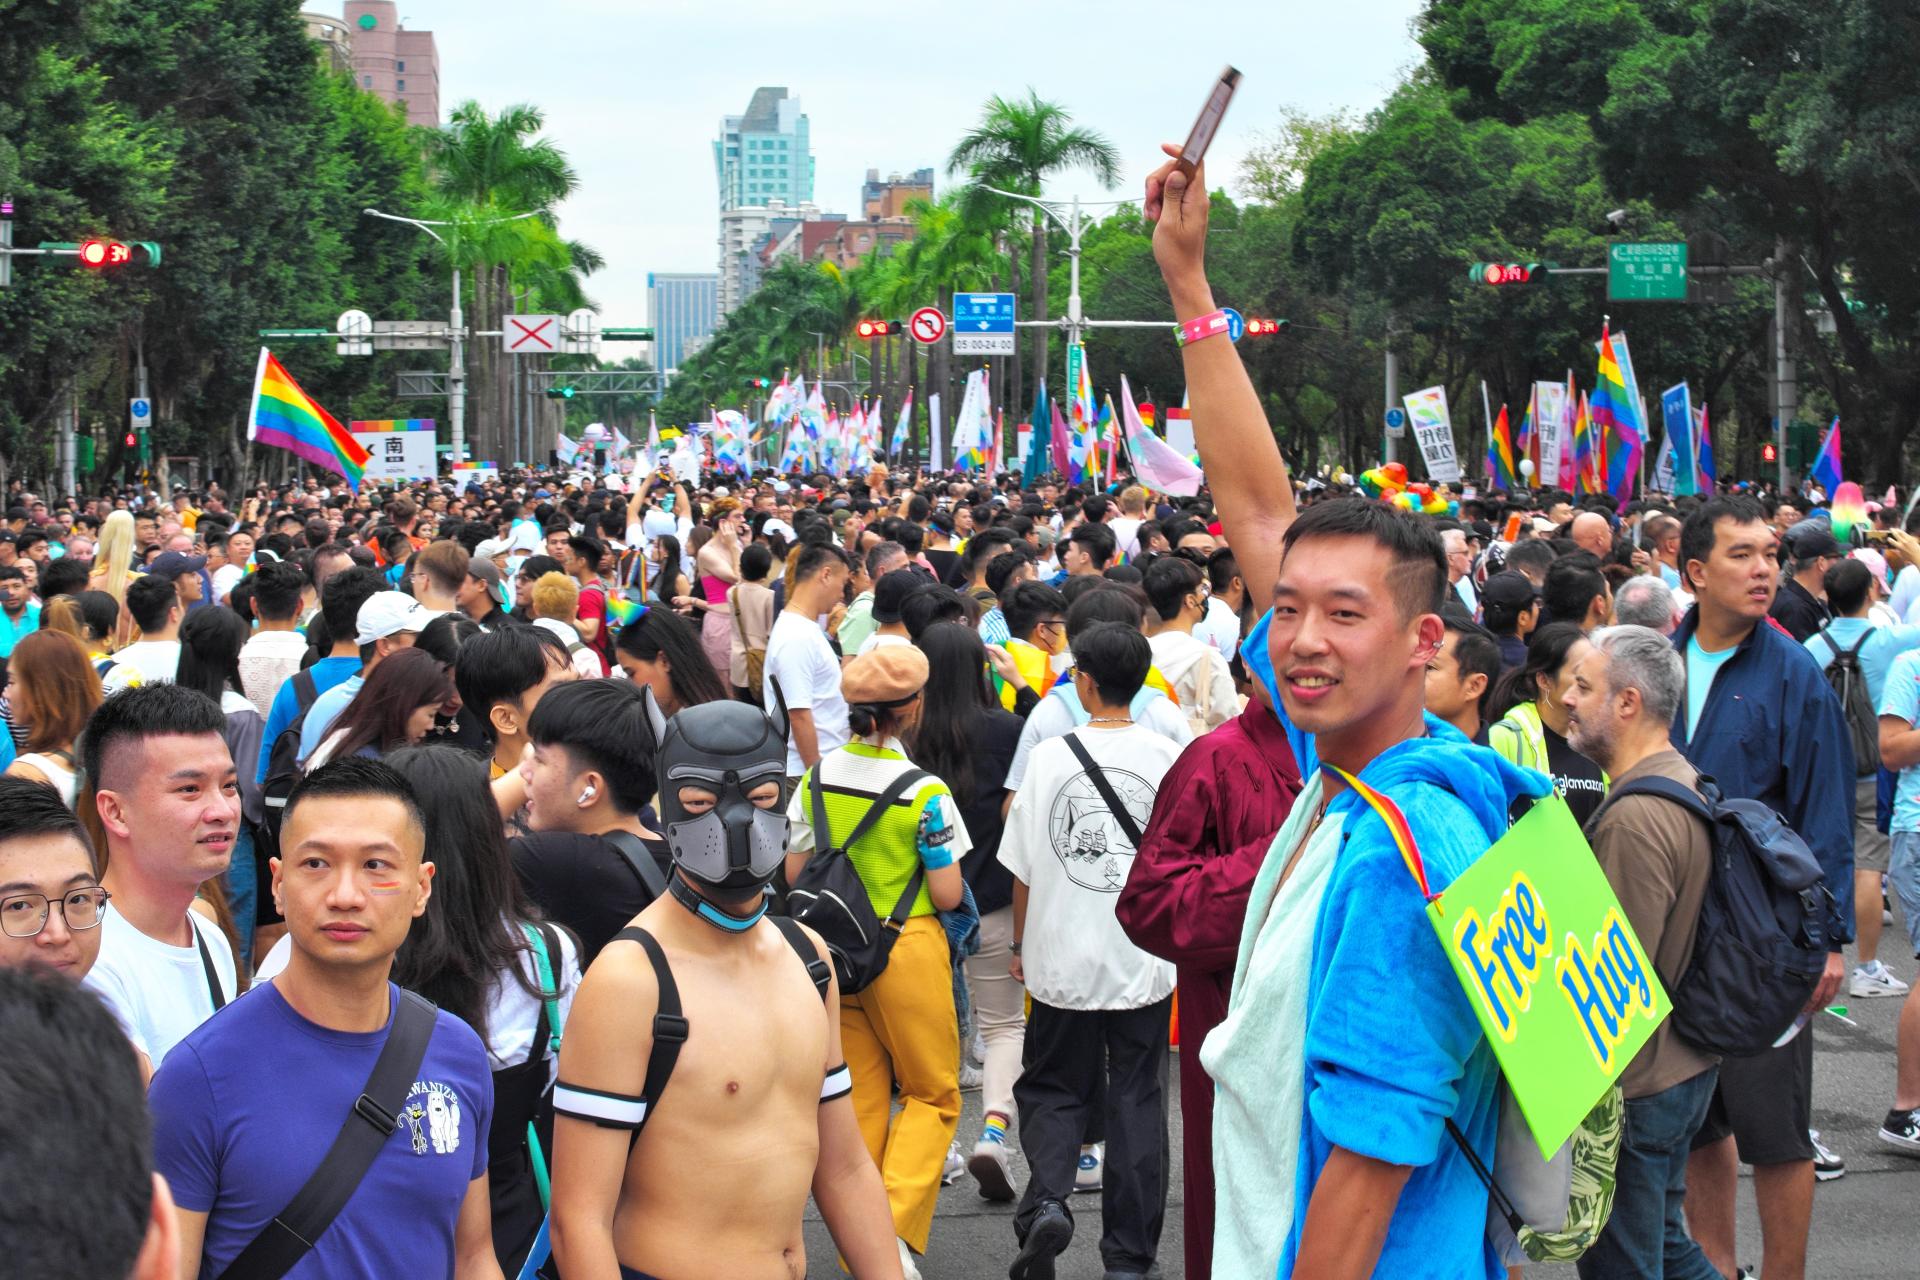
[
  {"x": 1075, "y": 225},
  {"x": 456, "y": 329}
]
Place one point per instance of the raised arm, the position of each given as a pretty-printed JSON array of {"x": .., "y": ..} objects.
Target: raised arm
[{"x": 1248, "y": 477}]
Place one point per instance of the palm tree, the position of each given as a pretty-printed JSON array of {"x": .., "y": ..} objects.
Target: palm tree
[
  {"x": 498, "y": 163},
  {"x": 1015, "y": 147}
]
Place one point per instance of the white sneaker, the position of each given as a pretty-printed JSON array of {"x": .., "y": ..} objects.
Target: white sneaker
[
  {"x": 1093, "y": 1161},
  {"x": 954, "y": 1168},
  {"x": 978, "y": 1049},
  {"x": 908, "y": 1271},
  {"x": 1827, "y": 1164},
  {"x": 1875, "y": 979},
  {"x": 991, "y": 1169},
  {"x": 970, "y": 1076}
]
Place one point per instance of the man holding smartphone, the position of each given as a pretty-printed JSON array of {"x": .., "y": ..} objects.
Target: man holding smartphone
[{"x": 1331, "y": 1150}]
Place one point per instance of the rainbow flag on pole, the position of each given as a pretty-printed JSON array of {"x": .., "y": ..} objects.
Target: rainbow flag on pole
[
  {"x": 1616, "y": 424},
  {"x": 1500, "y": 454},
  {"x": 288, "y": 418}
]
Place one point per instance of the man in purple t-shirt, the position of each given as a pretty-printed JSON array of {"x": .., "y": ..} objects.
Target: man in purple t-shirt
[{"x": 249, "y": 1103}]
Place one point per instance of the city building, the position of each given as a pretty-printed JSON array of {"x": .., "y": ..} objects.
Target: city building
[
  {"x": 335, "y": 37},
  {"x": 763, "y": 167},
  {"x": 683, "y": 310},
  {"x": 764, "y": 155},
  {"x": 881, "y": 201},
  {"x": 384, "y": 57},
  {"x": 852, "y": 241}
]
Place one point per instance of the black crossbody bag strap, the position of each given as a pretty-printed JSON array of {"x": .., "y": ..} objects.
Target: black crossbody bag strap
[
  {"x": 375, "y": 1115},
  {"x": 669, "y": 1025},
  {"x": 1120, "y": 812},
  {"x": 206, "y": 962},
  {"x": 637, "y": 856}
]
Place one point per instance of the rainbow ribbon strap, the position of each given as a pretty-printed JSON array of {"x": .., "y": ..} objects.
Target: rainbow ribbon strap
[{"x": 1396, "y": 825}]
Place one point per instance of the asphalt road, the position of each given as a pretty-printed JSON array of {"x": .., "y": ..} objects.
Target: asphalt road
[{"x": 1863, "y": 1224}]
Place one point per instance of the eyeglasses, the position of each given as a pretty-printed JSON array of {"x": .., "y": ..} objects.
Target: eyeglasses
[{"x": 25, "y": 915}]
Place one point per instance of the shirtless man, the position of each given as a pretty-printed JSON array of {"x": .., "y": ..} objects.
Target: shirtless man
[{"x": 708, "y": 1175}]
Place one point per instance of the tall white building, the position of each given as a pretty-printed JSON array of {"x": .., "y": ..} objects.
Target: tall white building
[{"x": 763, "y": 164}]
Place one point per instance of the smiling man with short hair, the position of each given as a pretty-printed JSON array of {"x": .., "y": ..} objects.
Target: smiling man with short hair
[{"x": 351, "y": 879}]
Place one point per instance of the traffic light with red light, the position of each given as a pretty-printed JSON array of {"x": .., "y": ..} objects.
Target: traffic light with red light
[
  {"x": 877, "y": 328},
  {"x": 1768, "y": 453},
  {"x": 1505, "y": 273},
  {"x": 104, "y": 253},
  {"x": 759, "y": 384},
  {"x": 1257, "y": 327},
  {"x": 131, "y": 440}
]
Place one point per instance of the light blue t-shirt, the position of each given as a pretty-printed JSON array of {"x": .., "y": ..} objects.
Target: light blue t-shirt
[
  {"x": 325, "y": 710},
  {"x": 1882, "y": 646},
  {"x": 1901, "y": 699},
  {"x": 1702, "y": 667}
]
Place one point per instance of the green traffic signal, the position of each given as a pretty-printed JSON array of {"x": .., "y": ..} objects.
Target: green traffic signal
[{"x": 559, "y": 393}]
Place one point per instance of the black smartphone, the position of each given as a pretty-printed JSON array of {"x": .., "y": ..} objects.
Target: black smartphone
[{"x": 1208, "y": 122}]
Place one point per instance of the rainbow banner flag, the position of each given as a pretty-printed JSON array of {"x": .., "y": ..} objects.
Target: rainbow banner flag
[
  {"x": 288, "y": 418},
  {"x": 1616, "y": 424},
  {"x": 1826, "y": 463},
  {"x": 1501, "y": 466},
  {"x": 1586, "y": 461}
]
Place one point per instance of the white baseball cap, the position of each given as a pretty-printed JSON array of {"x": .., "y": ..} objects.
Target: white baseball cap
[{"x": 388, "y": 613}]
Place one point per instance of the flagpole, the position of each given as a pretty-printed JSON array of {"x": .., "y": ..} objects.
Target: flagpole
[{"x": 1486, "y": 409}]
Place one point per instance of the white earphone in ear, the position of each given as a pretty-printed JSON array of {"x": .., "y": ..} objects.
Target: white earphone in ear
[{"x": 588, "y": 794}]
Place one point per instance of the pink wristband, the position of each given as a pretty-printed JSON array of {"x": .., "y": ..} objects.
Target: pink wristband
[{"x": 1212, "y": 325}]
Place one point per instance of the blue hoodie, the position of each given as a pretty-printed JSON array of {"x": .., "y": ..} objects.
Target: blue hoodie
[{"x": 1393, "y": 1049}]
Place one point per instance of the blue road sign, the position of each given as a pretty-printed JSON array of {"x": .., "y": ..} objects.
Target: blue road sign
[
  {"x": 983, "y": 324},
  {"x": 142, "y": 409},
  {"x": 1396, "y": 421}
]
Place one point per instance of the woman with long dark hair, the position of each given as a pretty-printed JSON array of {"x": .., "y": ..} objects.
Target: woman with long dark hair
[
  {"x": 1531, "y": 728},
  {"x": 660, "y": 649},
  {"x": 484, "y": 953},
  {"x": 967, "y": 740},
  {"x": 669, "y": 583},
  {"x": 395, "y": 708}
]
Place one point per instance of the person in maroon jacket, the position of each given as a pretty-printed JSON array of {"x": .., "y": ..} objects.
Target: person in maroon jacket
[{"x": 1217, "y": 812}]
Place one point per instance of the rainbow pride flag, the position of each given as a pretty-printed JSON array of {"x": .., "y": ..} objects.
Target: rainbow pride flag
[
  {"x": 288, "y": 418},
  {"x": 1500, "y": 454}
]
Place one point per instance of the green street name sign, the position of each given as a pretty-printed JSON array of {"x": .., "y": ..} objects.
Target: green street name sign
[{"x": 1651, "y": 272}]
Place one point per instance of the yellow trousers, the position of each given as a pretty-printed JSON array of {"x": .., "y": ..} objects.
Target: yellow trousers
[{"x": 903, "y": 1028}]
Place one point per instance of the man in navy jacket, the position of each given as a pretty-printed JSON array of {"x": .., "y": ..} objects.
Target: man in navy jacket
[{"x": 1761, "y": 719}]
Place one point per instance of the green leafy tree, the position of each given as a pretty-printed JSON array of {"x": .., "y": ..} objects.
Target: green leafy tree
[{"x": 1017, "y": 145}]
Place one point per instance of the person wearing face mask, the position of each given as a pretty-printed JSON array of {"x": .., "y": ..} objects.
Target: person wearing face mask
[{"x": 745, "y": 1005}]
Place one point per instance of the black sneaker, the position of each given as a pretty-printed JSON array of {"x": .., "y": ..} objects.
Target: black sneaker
[
  {"x": 1901, "y": 1131},
  {"x": 1047, "y": 1239}
]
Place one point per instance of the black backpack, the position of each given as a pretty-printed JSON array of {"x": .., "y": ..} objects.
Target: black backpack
[
  {"x": 1761, "y": 945},
  {"x": 830, "y": 898},
  {"x": 283, "y": 768},
  {"x": 1856, "y": 700}
]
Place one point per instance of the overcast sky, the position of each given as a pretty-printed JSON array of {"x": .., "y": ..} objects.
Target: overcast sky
[{"x": 633, "y": 90}]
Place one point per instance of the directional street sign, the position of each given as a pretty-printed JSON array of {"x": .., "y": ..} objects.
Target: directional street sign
[
  {"x": 141, "y": 411},
  {"x": 1650, "y": 272},
  {"x": 531, "y": 335},
  {"x": 1396, "y": 422},
  {"x": 927, "y": 325},
  {"x": 983, "y": 324}
]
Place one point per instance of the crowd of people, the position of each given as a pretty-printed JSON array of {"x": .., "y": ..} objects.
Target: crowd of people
[{"x": 577, "y": 874}]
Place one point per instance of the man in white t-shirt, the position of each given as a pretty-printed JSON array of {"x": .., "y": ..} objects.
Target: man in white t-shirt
[
  {"x": 239, "y": 554},
  {"x": 1100, "y": 1004},
  {"x": 1126, "y": 525},
  {"x": 1201, "y": 680},
  {"x": 156, "y": 609},
  {"x": 169, "y": 804},
  {"x": 801, "y": 661}
]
